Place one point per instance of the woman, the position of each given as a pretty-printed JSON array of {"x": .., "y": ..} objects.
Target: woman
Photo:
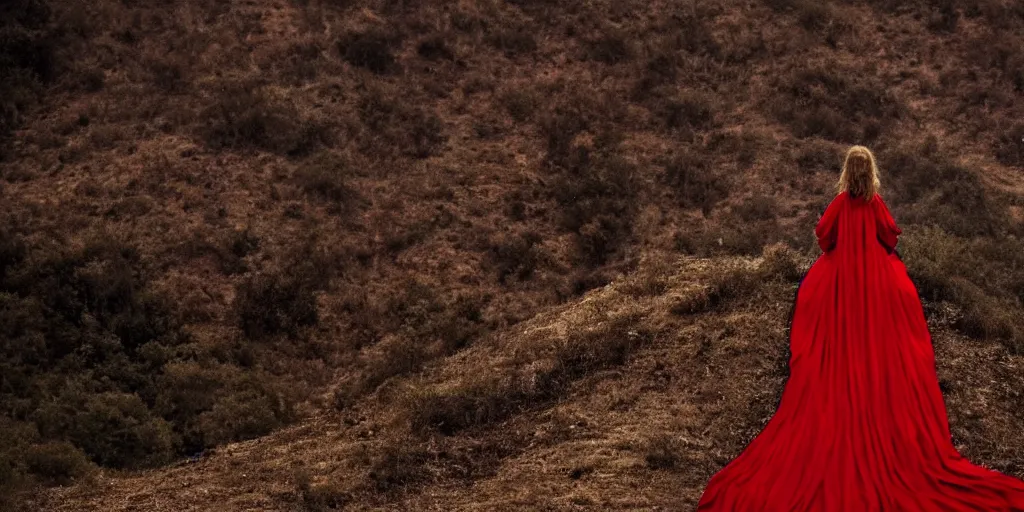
[{"x": 861, "y": 425}]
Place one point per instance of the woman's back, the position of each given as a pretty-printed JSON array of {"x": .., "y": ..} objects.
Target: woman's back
[
  {"x": 854, "y": 226},
  {"x": 861, "y": 424}
]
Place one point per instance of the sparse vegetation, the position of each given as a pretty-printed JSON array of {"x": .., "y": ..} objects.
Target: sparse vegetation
[
  {"x": 695, "y": 180},
  {"x": 493, "y": 397},
  {"x": 976, "y": 275},
  {"x": 397, "y": 126},
  {"x": 943, "y": 193},
  {"x": 513, "y": 41},
  {"x": 691, "y": 110},
  {"x": 245, "y": 115},
  {"x": 837, "y": 104},
  {"x": 1011, "y": 146},
  {"x": 533, "y": 220},
  {"x": 275, "y": 303},
  {"x": 326, "y": 176},
  {"x": 610, "y": 48}
]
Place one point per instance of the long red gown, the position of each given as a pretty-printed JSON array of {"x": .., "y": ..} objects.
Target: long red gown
[{"x": 861, "y": 425}]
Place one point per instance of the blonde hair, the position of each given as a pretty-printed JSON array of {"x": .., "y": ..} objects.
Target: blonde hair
[{"x": 860, "y": 173}]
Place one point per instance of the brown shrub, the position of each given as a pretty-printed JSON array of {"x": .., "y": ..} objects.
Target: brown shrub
[
  {"x": 243, "y": 414},
  {"x": 169, "y": 74},
  {"x": 397, "y": 125},
  {"x": 283, "y": 301},
  {"x": 610, "y": 48},
  {"x": 435, "y": 47},
  {"x": 724, "y": 285},
  {"x": 693, "y": 33},
  {"x": 733, "y": 236},
  {"x": 371, "y": 50},
  {"x": 818, "y": 157},
  {"x": 515, "y": 256},
  {"x": 513, "y": 41},
  {"x": 694, "y": 180},
  {"x": 728, "y": 285},
  {"x": 1010, "y": 147},
  {"x": 326, "y": 176},
  {"x": 57, "y": 463},
  {"x": 118, "y": 430},
  {"x": 597, "y": 203},
  {"x": 245, "y": 116},
  {"x": 810, "y": 14},
  {"x": 837, "y": 104},
  {"x": 936, "y": 191},
  {"x": 976, "y": 275},
  {"x": 743, "y": 145},
  {"x": 424, "y": 324},
  {"x": 781, "y": 262},
  {"x": 28, "y": 61},
  {"x": 757, "y": 207},
  {"x": 268, "y": 304},
  {"x": 662, "y": 452},
  {"x": 939, "y": 15},
  {"x": 690, "y": 110},
  {"x": 578, "y": 123},
  {"x": 301, "y": 62},
  {"x": 519, "y": 103},
  {"x": 228, "y": 250}
]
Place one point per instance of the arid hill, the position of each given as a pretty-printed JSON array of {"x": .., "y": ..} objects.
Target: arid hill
[{"x": 471, "y": 255}]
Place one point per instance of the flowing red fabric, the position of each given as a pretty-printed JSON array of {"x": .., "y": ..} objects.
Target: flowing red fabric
[{"x": 861, "y": 425}]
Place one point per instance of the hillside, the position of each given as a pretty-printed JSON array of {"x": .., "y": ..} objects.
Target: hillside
[
  {"x": 429, "y": 255},
  {"x": 628, "y": 399}
]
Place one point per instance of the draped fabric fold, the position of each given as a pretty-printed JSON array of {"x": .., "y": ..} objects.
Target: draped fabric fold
[{"x": 861, "y": 425}]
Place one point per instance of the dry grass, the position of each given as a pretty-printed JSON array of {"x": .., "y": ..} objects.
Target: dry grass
[{"x": 327, "y": 208}]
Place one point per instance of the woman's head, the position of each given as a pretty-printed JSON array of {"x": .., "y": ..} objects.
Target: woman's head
[{"x": 860, "y": 174}]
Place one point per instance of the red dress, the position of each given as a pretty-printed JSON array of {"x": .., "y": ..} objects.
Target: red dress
[{"x": 861, "y": 425}]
